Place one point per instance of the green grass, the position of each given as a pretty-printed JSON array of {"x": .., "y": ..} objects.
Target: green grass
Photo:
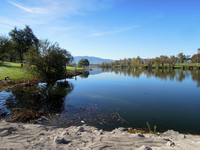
[
  {"x": 71, "y": 70},
  {"x": 13, "y": 71},
  {"x": 186, "y": 64}
]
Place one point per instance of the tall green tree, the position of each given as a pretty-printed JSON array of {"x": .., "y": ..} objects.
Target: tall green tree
[
  {"x": 136, "y": 62},
  {"x": 163, "y": 60},
  {"x": 172, "y": 61},
  {"x": 49, "y": 63},
  {"x": 196, "y": 58},
  {"x": 157, "y": 62},
  {"x": 5, "y": 47},
  {"x": 83, "y": 63},
  {"x": 149, "y": 63},
  {"x": 23, "y": 40},
  {"x": 181, "y": 57}
]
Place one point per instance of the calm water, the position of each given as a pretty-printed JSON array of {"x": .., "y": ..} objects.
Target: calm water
[{"x": 113, "y": 98}]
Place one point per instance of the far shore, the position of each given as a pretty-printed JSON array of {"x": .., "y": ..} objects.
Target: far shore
[{"x": 34, "y": 136}]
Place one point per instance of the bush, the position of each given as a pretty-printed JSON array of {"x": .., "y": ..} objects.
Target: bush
[{"x": 49, "y": 63}]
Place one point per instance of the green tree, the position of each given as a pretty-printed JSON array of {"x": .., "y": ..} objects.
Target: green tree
[
  {"x": 49, "y": 63},
  {"x": 163, "y": 60},
  {"x": 5, "y": 46},
  {"x": 157, "y": 62},
  {"x": 136, "y": 62},
  {"x": 196, "y": 58},
  {"x": 149, "y": 63},
  {"x": 172, "y": 61},
  {"x": 181, "y": 57},
  {"x": 23, "y": 40},
  {"x": 83, "y": 63}
]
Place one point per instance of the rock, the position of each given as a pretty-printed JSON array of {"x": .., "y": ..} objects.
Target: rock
[
  {"x": 59, "y": 140},
  {"x": 140, "y": 135},
  {"x": 170, "y": 143},
  {"x": 5, "y": 133},
  {"x": 183, "y": 136},
  {"x": 122, "y": 129},
  {"x": 21, "y": 126},
  {"x": 65, "y": 133},
  {"x": 81, "y": 129},
  {"x": 101, "y": 133},
  {"x": 41, "y": 134},
  {"x": 143, "y": 147}
]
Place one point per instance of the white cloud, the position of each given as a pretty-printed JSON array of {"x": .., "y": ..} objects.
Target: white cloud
[
  {"x": 35, "y": 10},
  {"x": 61, "y": 7}
]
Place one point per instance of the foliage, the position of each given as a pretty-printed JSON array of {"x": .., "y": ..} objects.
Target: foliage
[
  {"x": 196, "y": 58},
  {"x": 148, "y": 125},
  {"x": 83, "y": 63},
  {"x": 157, "y": 61},
  {"x": 181, "y": 57},
  {"x": 149, "y": 62},
  {"x": 49, "y": 63},
  {"x": 25, "y": 115},
  {"x": 154, "y": 129},
  {"x": 163, "y": 60},
  {"x": 172, "y": 61},
  {"x": 149, "y": 128},
  {"x": 23, "y": 40},
  {"x": 136, "y": 62},
  {"x": 5, "y": 47}
]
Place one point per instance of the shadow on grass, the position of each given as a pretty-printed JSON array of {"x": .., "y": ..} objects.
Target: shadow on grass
[{"x": 8, "y": 65}]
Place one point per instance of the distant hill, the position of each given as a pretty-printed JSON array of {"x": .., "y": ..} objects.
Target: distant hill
[{"x": 92, "y": 60}]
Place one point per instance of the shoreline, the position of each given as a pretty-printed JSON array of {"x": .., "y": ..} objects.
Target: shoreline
[
  {"x": 7, "y": 85},
  {"x": 34, "y": 136}
]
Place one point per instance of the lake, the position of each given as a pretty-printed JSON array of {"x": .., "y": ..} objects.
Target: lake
[{"x": 113, "y": 98}]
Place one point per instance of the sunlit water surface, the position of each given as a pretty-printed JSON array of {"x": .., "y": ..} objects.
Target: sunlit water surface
[{"x": 113, "y": 98}]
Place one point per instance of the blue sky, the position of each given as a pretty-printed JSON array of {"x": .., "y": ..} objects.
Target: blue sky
[{"x": 109, "y": 28}]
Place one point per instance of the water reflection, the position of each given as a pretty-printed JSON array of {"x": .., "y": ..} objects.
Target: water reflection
[
  {"x": 85, "y": 74},
  {"x": 128, "y": 99},
  {"x": 178, "y": 75},
  {"x": 48, "y": 99}
]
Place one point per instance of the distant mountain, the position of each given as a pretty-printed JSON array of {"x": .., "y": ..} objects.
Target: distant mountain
[{"x": 92, "y": 60}]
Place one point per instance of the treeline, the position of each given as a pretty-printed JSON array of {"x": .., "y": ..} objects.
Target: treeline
[{"x": 157, "y": 62}]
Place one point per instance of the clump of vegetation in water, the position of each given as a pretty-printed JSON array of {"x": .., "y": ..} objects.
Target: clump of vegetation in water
[
  {"x": 144, "y": 131},
  {"x": 25, "y": 115},
  {"x": 149, "y": 128}
]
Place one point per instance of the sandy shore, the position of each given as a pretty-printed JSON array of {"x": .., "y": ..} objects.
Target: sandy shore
[{"x": 32, "y": 136}]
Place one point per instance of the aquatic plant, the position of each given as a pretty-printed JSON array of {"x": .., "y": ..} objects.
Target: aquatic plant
[
  {"x": 154, "y": 129},
  {"x": 149, "y": 127}
]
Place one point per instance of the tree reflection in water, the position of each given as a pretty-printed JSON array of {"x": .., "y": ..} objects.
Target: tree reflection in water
[
  {"x": 85, "y": 74},
  {"x": 47, "y": 98},
  {"x": 163, "y": 74}
]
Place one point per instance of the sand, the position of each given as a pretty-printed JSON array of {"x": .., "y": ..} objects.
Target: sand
[{"x": 33, "y": 136}]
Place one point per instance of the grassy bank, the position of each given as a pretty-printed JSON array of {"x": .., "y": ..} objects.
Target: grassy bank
[
  {"x": 71, "y": 71},
  {"x": 14, "y": 71}
]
